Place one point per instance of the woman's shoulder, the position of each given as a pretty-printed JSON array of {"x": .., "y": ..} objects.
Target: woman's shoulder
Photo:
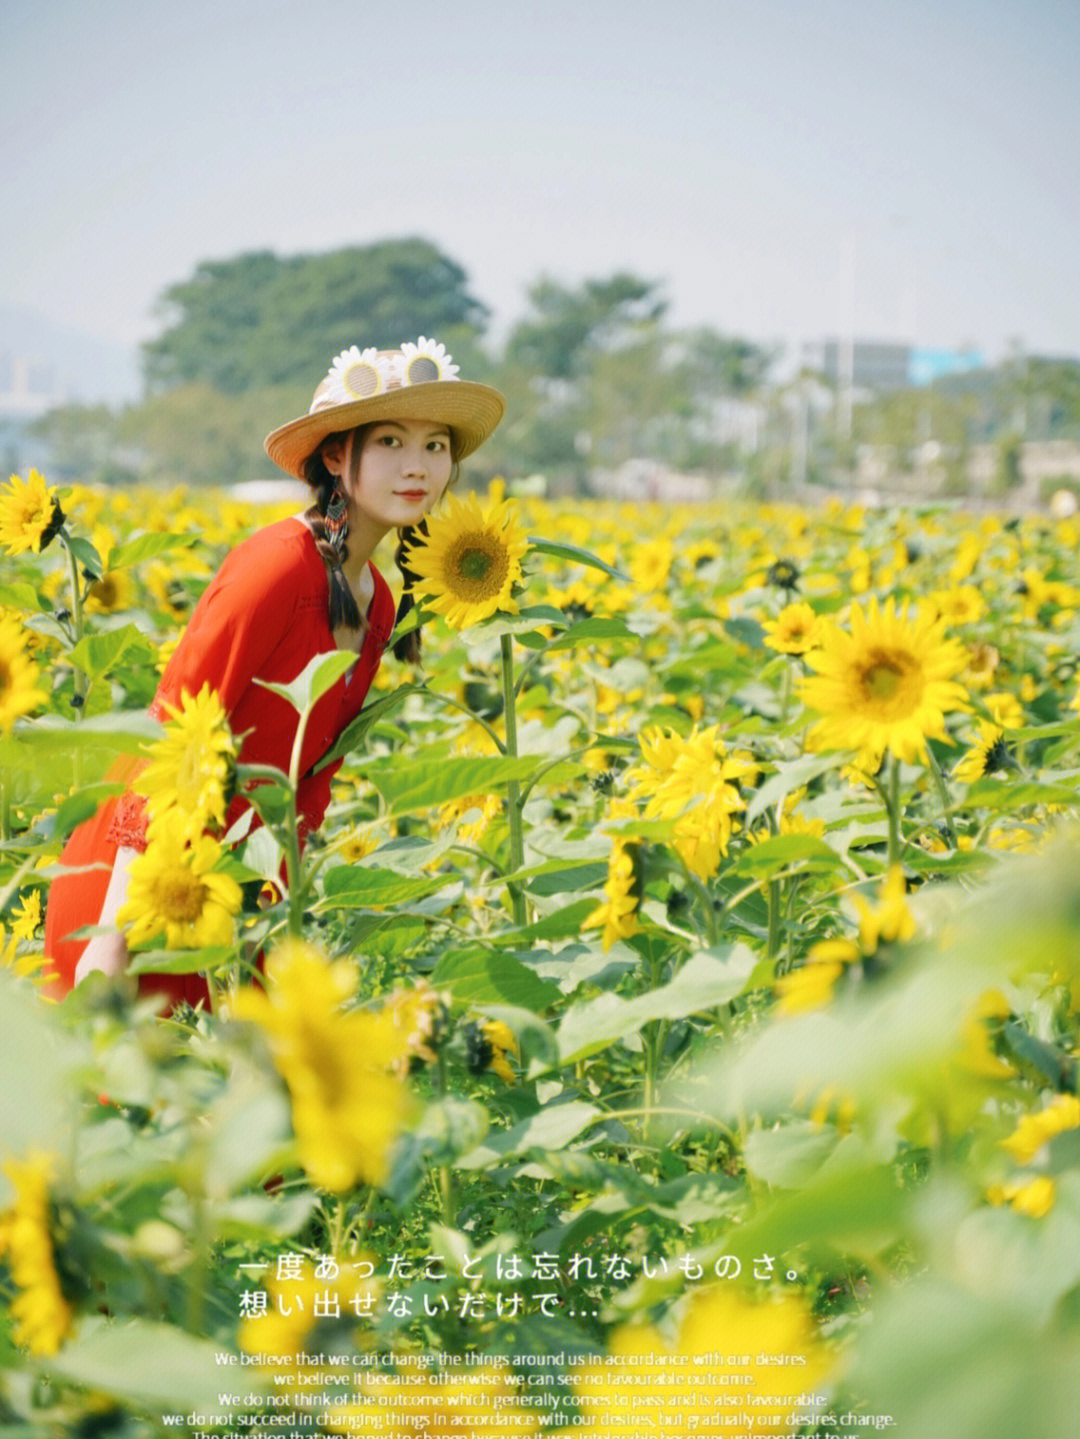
[{"x": 283, "y": 548}]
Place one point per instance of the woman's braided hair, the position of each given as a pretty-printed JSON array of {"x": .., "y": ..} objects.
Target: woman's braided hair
[{"x": 343, "y": 607}]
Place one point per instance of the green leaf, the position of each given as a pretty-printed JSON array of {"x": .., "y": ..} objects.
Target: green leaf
[
  {"x": 788, "y": 777},
  {"x": 704, "y": 982},
  {"x": 567, "y": 878},
  {"x": 147, "y": 547},
  {"x": 562, "y": 923},
  {"x": 574, "y": 555},
  {"x": 374, "y": 710},
  {"x": 97, "y": 654},
  {"x": 789, "y": 1155},
  {"x": 551, "y": 1129},
  {"x": 20, "y": 595},
  {"x": 590, "y": 630},
  {"x": 154, "y": 1368},
  {"x": 523, "y": 623},
  {"x": 1007, "y": 796},
  {"x": 87, "y": 556},
  {"x": 448, "y": 1128},
  {"x": 180, "y": 961},
  {"x": 41, "y": 1063},
  {"x": 780, "y": 850},
  {"x": 318, "y": 676},
  {"x": 1046, "y": 1063},
  {"x": 941, "y": 1358},
  {"x": 427, "y": 781},
  {"x": 262, "y": 854},
  {"x": 480, "y": 976},
  {"x": 361, "y": 887},
  {"x": 81, "y": 805},
  {"x": 54, "y": 754}
]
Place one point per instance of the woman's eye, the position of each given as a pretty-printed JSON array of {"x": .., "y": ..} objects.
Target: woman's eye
[{"x": 437, "y": 445}]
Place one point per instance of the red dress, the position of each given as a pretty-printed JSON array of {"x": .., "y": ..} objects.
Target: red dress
[{"x": 264, "y": 616}]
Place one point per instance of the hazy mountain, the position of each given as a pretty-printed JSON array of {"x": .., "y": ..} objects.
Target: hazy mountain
[{"x": 63, "y": 364}]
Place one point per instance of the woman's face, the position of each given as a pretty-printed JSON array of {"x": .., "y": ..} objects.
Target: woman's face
[{"x": 400, "y": 474}]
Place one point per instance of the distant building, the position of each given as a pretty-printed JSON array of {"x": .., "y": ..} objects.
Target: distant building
[
  {"x": 27, "y": 389},
  {"x": 930, "y": 365},
  {"x": 871, "y": 365},
  {"x": 882, "y": 367}
]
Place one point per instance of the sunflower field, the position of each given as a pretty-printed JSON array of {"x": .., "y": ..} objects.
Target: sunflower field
[{"x": 672, "y": 1029}]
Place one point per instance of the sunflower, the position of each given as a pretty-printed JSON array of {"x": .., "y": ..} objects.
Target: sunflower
[
  {"x": 886, "y": 685},
  {"x": 30, "y": 515},
  {"x": 650, "y": 564},
  {"x": 27, "y": 918},
  {"x": 694, "y": 781},
  {"x": 470, "y": 560},
  {"x": 18, "y": 675},
  {"x": 618, "y": 913},
  {"x": 770, "y": 1331},
  {"x": 795, "y": 629},
  {"x": 114, "y": 590},
  {"x": 173, "y": 888},
  {"x": 987, "y": 754},
  {"x": 1033, "y": 1197},
  {"x": 487, "y": 1043},
  {"x": 348, "y": 1104},
  {"x": 1035, "y": 1130},
  {"x": 192, "y": 766},
  {"x": 42, "y": 1314}
]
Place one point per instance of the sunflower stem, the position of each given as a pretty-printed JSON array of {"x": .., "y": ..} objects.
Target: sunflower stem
[
  {"x": 513, "y": 788},
  {"x": 79, "y": 674},
  {"x": 943, "y": 794},
  {"x": 772, "y": 895},
  {"x": 892, "y": 806}
]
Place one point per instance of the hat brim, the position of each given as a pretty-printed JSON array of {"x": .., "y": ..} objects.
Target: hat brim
[{"x": 470, "y": 411}]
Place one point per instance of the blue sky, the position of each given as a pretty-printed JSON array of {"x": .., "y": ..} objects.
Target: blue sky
[{"x": 788, "y": 168}]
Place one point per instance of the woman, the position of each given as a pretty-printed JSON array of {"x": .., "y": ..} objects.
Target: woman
[{"x": 378, "y": 446}]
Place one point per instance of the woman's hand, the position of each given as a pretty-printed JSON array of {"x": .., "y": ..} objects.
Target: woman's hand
[{"x": 105, "y": 954}]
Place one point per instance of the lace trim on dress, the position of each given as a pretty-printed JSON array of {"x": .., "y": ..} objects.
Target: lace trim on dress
[{"x": 128, "y": 828}]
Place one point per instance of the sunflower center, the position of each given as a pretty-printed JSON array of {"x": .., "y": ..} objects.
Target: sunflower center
[
  {"x": 180, "y": 897},
  {"x": 477, "y": 565},
  {"x": 889, "y": 680},
  {"x": 5, "y": 676},
  {"x": 105, "y": 591}
]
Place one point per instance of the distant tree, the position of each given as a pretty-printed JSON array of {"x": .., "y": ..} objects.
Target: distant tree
[
  {"x": 568, "y": 327},
  {"x": 80, "y": 439},
  {"x": 195, "y": 435},
  {"x": 258, "y": 320},
  {"x": 596, "y": 378}
]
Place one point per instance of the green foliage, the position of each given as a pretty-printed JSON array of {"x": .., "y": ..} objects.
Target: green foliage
[
  {"x": 258, "y": 320},
  {"x": 660, "y": 1089}
]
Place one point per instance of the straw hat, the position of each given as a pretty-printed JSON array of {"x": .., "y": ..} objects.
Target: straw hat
[{"x": 417, "y": 382}]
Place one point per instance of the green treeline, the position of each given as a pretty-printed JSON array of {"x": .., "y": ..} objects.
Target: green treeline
[{"x": 594, "y": 373}]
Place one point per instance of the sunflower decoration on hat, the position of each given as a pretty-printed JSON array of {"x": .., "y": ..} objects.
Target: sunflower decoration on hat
[{"x": 363, "y": 386}]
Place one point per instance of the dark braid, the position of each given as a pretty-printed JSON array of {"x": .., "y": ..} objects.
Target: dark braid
[
  {"x": 343, "y": 607},
  {"x": 408, "y": 647}
]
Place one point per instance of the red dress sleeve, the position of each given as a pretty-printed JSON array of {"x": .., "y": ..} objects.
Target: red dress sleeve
[{"x": 241, "y": 617}]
